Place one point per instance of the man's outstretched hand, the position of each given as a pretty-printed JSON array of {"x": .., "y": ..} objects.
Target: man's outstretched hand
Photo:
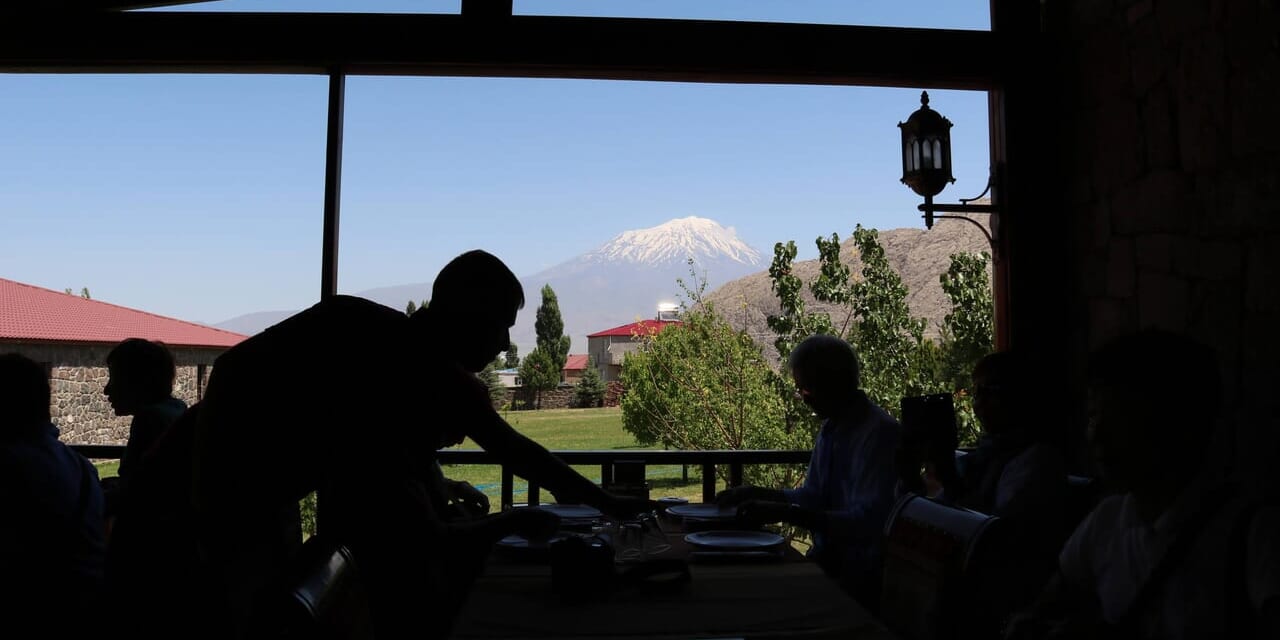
[
  {"x": 758, "y": 512},
  {"x": 473, "y": 502}
]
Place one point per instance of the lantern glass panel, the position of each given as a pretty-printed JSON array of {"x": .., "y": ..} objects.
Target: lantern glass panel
[
  {"x": 915, "y": 153},
  {"x": 928, "y": 154},
  {"x": 937, "y": 154}
]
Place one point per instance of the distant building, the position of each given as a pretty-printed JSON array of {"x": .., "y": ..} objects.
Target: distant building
[
  {"x": 71, "y": 337},
  {"x": 609, "y": 347},
  {"x": 510, "y": 378},
  {"x": 668, "y": 311},
  {"x": 574, "y": 367}
]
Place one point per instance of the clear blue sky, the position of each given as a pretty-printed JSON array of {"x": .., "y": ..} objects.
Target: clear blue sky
[{"x": 200, "y": 197}]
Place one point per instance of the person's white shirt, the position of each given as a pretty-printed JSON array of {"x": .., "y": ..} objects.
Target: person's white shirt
[{"x": 1114, "y": 551}]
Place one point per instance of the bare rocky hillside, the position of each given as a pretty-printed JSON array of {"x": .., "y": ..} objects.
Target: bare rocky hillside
[{"x": 918, "y": 256}]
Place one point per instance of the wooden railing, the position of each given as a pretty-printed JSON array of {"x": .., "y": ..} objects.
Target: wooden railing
[{"x": 708, "y": 460}]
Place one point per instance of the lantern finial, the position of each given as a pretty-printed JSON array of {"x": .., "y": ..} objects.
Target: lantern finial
[{"x": 924, "y": 99}]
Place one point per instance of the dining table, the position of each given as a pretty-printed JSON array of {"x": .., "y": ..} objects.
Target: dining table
[{"x": 727, "y": 595}]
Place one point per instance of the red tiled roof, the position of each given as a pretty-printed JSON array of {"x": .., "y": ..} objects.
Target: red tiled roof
[
  {"x": 576, "y": 362},
  {"x": 33, "y": 313},
  {"x": 642, "y": 328}
]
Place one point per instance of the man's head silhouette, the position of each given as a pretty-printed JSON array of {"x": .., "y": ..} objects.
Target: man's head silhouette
[
  {"x": 141, "y": 372},
  {"x": 825, "y": 370},
  {"x": 1154, "y": 399},
  {"x": 473, "y": 306},
  {"x": 24, "y": 394}
]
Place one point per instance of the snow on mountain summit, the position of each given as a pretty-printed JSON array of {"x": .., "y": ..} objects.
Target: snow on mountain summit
[{"x": 675, "y": 241}]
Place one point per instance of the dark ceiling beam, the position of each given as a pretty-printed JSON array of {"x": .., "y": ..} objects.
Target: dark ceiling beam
[
  {"x": 515, "y": 46},
  {"x": 48, "y": 6}
]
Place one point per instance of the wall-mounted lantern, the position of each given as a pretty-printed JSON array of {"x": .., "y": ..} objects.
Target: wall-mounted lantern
[{"x": 926, "y": 165}]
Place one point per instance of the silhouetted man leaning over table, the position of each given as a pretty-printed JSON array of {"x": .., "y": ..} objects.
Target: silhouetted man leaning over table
[
  {"x": 352, "y": 398},
  {"x": 850, "y": 486}
]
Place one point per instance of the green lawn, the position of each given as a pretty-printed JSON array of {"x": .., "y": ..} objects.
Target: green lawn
[
  {"x": 107, "y": 468},
  {"x": 576, "y": 429}
]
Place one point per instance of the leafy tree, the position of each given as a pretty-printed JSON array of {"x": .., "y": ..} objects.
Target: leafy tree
[
  {"x": 589, "y": 391},
  {"x": 549, "y": 327},
  {"x": 408, "y": 310},
  {"x": 890, "y": 342},
  {"x": 792, "y": 325},
  {"x": 541, "y": 369},
  {"x": 512, "y": 357},
  {"x": 539, "y": 373},
  {"x": 704, "y": 385},
  {"x": 84, "y": 292},
  {"x": 871, "y": 313},
  {"x": 489, "y": 376},
  {"x": 968, "y": 331}
]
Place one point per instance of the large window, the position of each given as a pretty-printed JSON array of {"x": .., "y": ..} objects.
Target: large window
[{"x": 543, "y": 172}]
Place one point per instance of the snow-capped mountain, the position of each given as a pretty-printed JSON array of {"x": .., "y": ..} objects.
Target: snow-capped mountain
[
  {"x": 626, "y": 278},
  {"x": 621, "y": 281},
  {"x": 675, "y": 241}
]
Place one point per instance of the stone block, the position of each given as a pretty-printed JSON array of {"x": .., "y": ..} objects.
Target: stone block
[
  {"x": 1155, "y": 251},
  {"x": 1108, "y": 318},
  {"x": 1090, "y": 13},
  {"x": 1104, "y": 65},
  {"x": 1147, "y": 62},
  {"x": 1160, "y": 201},
  {"x": 1262, "y": 276},
  {"x": 1138, "y": 11},
  {"x": 1253, "y": 94},
  {"x": 1093, "y": 274},
  {"x": 1159, "y": 134},
  {"x": 1184, "y": 254},
  {"x": 1163, "y": 301},
  {"x": 1121, "y": 269},
  {"x": 1118, "y": 143},
  {"x": 1217, "y": 316},
  {"x": 1253, "y": 27},
  {"x": 1093, "y": 231},
  {"x": 1199, "y": 81},
  {"x": 1178, "y": 18},
  {"x": 1258, "y": 356},
  {"x": 1232, "y": 204},
  {"x": 1222, "y": 260}
]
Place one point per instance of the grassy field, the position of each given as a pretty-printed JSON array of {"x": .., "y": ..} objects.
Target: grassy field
[
  {"x": 559, "y": 429},
  {"x": 107, "y": 468},
  {"x": 576, "y": 429}
]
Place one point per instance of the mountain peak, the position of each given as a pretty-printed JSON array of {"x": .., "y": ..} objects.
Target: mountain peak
[{"x": 675, "y": 241}]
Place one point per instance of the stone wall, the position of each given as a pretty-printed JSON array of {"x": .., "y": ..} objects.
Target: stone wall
[
  {"x": 559, "y": 398},
  {"x": 1174, "y": 161},
  {"x": 78, "y": 374}
]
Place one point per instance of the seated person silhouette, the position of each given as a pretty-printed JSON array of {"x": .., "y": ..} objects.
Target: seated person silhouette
[
  {"x": 51, "y": 540},
  {"x": 1177, "y": 552},
  {"x": 158, "y": 586},
  {"x": 140, "y": 384},
  {"x": 353, "y": 399},
  {"x": 850, "y": 486},
  {"x": 1015, "y": 473}
]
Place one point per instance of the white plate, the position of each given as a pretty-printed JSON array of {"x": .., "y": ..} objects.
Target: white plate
[
  {"x": 572, "y": 511},
  {"x": 734, "y": 540},
  {"x": 701, "y": 511},
  {"x": 521, "y": 542}
]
